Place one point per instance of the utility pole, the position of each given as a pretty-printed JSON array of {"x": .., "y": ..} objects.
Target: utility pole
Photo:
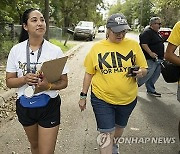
[{"x": 46, "y": 16}]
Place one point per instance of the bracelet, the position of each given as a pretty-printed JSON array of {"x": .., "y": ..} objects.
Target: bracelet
[
  {"x": 83, "y": 95},
  {"x": 50, "y": 86}
]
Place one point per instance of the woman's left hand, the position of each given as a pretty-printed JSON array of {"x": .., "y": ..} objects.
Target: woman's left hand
[
  {"x": 82, "y": 104},
  {"x": 43, "y": 84}
]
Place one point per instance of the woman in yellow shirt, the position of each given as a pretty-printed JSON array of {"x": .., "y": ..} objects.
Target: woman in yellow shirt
[
  {"x": 112, "y": 66},
  {"x": 173, "y": 43}
]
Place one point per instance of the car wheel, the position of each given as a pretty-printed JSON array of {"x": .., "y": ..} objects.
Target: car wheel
[
  {"x": 75, "y": 37},
  {"x": 91, "y": 38}
]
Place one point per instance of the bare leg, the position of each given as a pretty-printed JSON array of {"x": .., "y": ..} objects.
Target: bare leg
[
  {"x": 47, "y": 139},
  {"x": 32, "y": 134},
  {"x": 108, "y": 149},
  {"x": 118, "y": 132}
]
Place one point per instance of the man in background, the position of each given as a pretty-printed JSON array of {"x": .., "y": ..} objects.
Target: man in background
[{"x": 153, "y": 48}]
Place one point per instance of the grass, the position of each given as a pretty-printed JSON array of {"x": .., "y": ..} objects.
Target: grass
[{"x": 61, "y": 45}]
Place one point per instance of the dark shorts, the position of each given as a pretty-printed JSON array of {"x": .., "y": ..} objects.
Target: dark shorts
[
  {"x": 109, "y": 116},
  {"x": 47, "y": 116}
]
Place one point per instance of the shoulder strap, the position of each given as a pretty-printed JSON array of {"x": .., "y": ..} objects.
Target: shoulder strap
[{"x": 28, "y": 55}]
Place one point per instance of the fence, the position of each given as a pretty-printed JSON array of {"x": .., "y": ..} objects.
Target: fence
[
  {"x": 12, "y": 32},
  {"x": 9, "y": 34},
  {"x": 54, "y": 32}
]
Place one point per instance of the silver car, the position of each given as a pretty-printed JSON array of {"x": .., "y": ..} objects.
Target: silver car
[{"x": 85, "y": 29}]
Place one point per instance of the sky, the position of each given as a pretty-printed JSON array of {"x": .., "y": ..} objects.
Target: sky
[
  {"x": 111, "y": 1},
  {"x": 105, "y": 12}
]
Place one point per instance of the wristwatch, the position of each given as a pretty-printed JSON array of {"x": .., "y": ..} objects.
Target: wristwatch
[{"x": 83, "y": 94}]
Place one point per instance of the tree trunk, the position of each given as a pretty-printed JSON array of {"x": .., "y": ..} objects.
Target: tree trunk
[
  {"x": 46, "y": 16},
  {"x": 66, "y": 21}
]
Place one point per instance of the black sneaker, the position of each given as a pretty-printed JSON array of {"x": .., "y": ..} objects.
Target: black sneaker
[{"x": 155, "y": 94}]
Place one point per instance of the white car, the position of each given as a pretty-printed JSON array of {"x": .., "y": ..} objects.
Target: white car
[{"x": 101, "y": 29}]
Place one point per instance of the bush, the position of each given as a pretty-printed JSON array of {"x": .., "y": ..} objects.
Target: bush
[{"x": 5, "y": 48}]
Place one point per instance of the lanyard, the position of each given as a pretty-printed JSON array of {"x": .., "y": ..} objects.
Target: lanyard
[{"x": 28, "y": 57}]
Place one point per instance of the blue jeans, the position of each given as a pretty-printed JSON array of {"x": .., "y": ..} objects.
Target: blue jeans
[
  {"x": 178, "y": 92},
  {"x": 109, "y": 116},
  {"x": 154, "y": 70}
]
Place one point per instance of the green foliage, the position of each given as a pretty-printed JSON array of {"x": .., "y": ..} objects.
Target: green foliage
[
  {"x": 169, "y": 11},
  {"x": 7, "y": 45},
  {"x": 69, "y": 13},
  {"x": 143, "y": 10},
  {"x": 5, "y": 48},
  {"x": 61, "y": 45},
  {"x": 137, "y": 9},
  {"x": 63, "y": 13},
  {"x": 115, "y": 9}
]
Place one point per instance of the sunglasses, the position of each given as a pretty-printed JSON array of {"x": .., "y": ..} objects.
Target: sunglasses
[
  {"x": 120, "y": 33},
  {"x": 158, "y": 23}
]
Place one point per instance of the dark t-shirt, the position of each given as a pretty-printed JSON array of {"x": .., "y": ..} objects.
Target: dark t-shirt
[{"x": 154, "y": 42}]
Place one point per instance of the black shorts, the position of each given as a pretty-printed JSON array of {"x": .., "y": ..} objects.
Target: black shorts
[{"x": 47, "y": 116}]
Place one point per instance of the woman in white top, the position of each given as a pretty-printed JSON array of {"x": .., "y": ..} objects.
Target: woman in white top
[{"x": 38, "y": 112}]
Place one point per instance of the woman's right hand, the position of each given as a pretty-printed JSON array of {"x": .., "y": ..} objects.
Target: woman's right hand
[
  {"x": 154, "y": 55},
  {"x": 82, "y": 104},
  {"x": 31, "y": 79}
]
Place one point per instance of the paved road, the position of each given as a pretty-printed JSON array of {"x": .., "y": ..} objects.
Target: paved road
[{"x": 153, "y": 122}]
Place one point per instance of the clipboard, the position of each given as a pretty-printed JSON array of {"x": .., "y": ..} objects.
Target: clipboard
[{"x": 52, "y": 69}]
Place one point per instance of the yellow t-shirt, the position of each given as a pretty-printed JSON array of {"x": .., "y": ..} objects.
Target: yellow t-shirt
[
  {"x": 109, "y": 63},
  {"x": 174, "y": 37}
]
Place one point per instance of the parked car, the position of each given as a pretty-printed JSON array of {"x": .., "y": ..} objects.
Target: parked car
[
  {"x": 101, "y": 29},
  {"x": 85, "y": 29},
  {"x": 165, "y": 32}
]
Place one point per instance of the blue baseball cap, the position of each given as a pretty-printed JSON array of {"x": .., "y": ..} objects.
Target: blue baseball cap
[{"x": 117, "y": 23}]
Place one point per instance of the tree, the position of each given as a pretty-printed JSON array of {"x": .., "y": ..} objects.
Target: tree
[
  {"x": 68, "y": 13},
  {"x": 46, "y": 15},
  {"x": 169, "y": 11},
  {"x": 137, "y": 10}
]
